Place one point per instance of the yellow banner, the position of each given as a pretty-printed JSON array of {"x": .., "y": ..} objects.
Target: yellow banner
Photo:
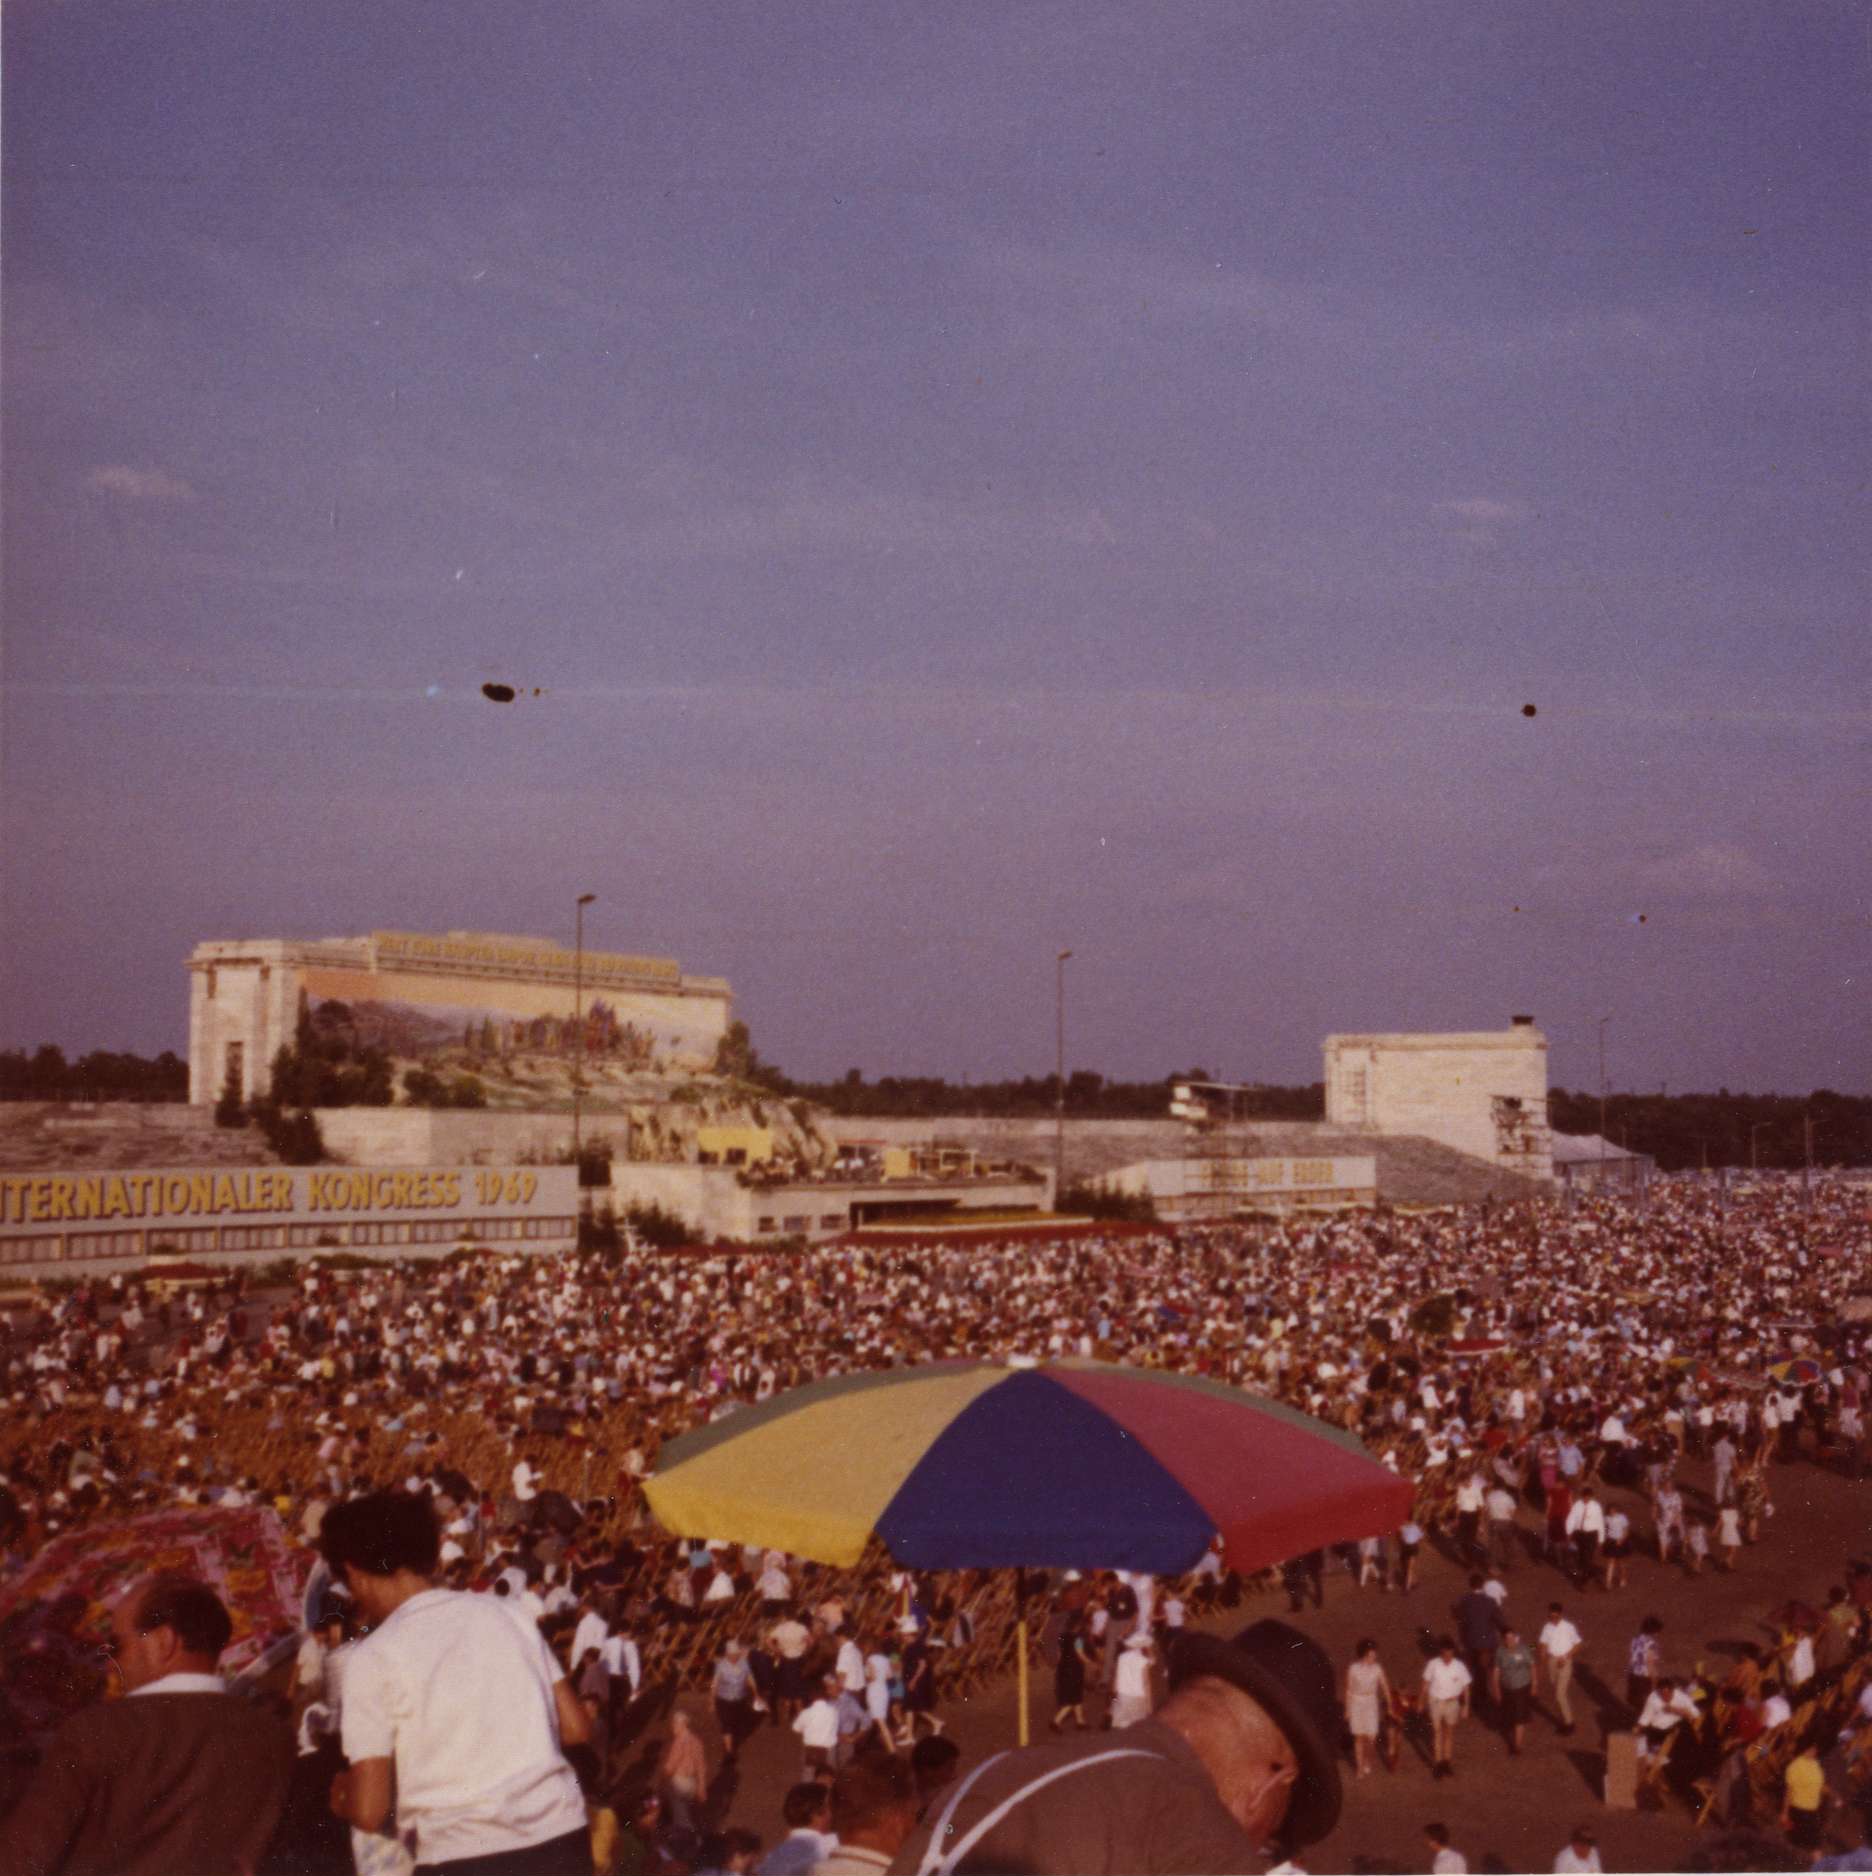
[
  {"x": 82, "y": 1198},
  {"x": 58, "y": 1198}
]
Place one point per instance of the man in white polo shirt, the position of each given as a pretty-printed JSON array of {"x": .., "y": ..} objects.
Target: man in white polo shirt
[
  {"x": 453, "y": 1713},
  {"x": 1559, "y": 1651},
  {"x": 818, "y": 1728},
  {"x": 1446, "y": 1695}
]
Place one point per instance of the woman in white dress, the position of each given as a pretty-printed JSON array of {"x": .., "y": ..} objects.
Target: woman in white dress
[{"x": 1367, "y": 1699}]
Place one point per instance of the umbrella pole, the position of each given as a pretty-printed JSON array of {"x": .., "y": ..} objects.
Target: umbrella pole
[{"x": 1020, "y": 1644}]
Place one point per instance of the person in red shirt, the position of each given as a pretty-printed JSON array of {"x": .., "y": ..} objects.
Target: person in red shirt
[
  {"x": 1745, "y": 1719},
  {"x": 1559, "y": 1504}
]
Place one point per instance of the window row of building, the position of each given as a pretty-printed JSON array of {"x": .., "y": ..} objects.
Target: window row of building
[{"x": 55, "y": 1247}]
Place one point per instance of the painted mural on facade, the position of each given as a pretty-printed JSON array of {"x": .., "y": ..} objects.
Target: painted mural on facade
[{"x": 494, "y": 1020}]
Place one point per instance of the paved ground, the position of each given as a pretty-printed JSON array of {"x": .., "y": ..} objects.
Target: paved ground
[{"x": 1503, "y": 1813}]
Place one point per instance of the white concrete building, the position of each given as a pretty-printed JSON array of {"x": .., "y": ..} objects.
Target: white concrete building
[
  {"x": 1482, "y": 1092},
  {"x": 1196, "y": 1187}
]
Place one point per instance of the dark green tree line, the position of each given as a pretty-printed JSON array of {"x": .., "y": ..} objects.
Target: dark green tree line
[
  {"x": 102, "y": 1075},
  {"x": 1683, "y": 1131}
]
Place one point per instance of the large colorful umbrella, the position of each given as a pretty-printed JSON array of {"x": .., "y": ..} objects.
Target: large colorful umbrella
[
  {"x": 1800, "y": 1369},
  {"x": 977, "y": 1465}
]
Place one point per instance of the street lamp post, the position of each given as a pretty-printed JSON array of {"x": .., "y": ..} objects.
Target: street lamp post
[
  {"x": 1602, "y": 1096},
  {"x": 578, "y": 1024},
  {"x": 1059, "y": 1076}
]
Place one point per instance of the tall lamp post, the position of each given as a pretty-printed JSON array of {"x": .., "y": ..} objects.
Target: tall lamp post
[
  {"x": 1059, "y": 1076},
  {"x": 1602, "y": 1095},
  {"x": 578, "y": 1024}
]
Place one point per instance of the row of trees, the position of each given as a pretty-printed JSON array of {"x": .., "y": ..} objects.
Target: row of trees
[
  {"x": 103, "y": 1075},
  {"x": 1681, "y": 1131},
  {"x": 1089, "y": 1096}
]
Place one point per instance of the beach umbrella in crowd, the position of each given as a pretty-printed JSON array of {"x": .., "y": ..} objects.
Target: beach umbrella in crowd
[
  {"x": 52, "y": 1611},
  {"x": 981, "y": 1465},
  {"x": 1470, "y": 1347},
  {"x": 1072, "y": 1464},
  {"x": 1799, "y": 1369}
]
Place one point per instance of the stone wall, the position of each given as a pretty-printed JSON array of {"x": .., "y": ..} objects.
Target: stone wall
[
  {"x": 444, "y": 1136},
  {"x": 1483, "y": 1092}
]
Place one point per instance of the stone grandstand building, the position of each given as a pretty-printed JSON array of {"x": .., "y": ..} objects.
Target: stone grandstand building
[
  {"x": 413, "y": 994},
  {"x": 1410, "y": 1120},
  {"x": 1483, "y": 1092}
]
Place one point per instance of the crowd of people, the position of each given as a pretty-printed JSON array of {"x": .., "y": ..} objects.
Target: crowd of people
[{"x": 1546, "y": 1375}]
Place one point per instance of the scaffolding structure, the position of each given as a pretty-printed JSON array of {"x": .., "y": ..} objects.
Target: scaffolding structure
[{"x": 1214, "y": 1147}]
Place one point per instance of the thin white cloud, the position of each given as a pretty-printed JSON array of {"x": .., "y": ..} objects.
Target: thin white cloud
[
  {"x": 1484, "y": 508},
  {"x": 1711, "y": 870},
  {"x": 139, "y": 485}
]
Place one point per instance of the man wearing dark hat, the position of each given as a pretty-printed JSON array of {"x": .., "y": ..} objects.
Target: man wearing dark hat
[{"x": 1239, "y": 1757}]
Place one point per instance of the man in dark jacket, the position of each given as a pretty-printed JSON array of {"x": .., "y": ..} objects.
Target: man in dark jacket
[{"x": 180, "y": 1778}]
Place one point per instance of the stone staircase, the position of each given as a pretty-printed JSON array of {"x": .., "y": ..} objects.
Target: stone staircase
[
  {"x": 1411, "y": 1169},
  {"x": 58, "y": 1136}
]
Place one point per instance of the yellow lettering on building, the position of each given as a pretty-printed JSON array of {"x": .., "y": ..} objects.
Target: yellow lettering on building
[
  {"x": 451, "y": 1187},
  {"x": 13, "y": 1200},
  {"x": 88, "y": 1198},
  {"x": 175, "y": 1193},
  {"x": 225, "y": 1197},
  {"x": 201, "y": 1194},
  {"x": 400, "y": 1190},
  {"x": 142, "y": 1187},
  {"x": 38, "y": 1197},
  {"x": 61, "y": 1199}
]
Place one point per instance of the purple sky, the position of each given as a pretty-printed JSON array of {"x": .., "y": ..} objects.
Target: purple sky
[{"x": 968, "y": 480}]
